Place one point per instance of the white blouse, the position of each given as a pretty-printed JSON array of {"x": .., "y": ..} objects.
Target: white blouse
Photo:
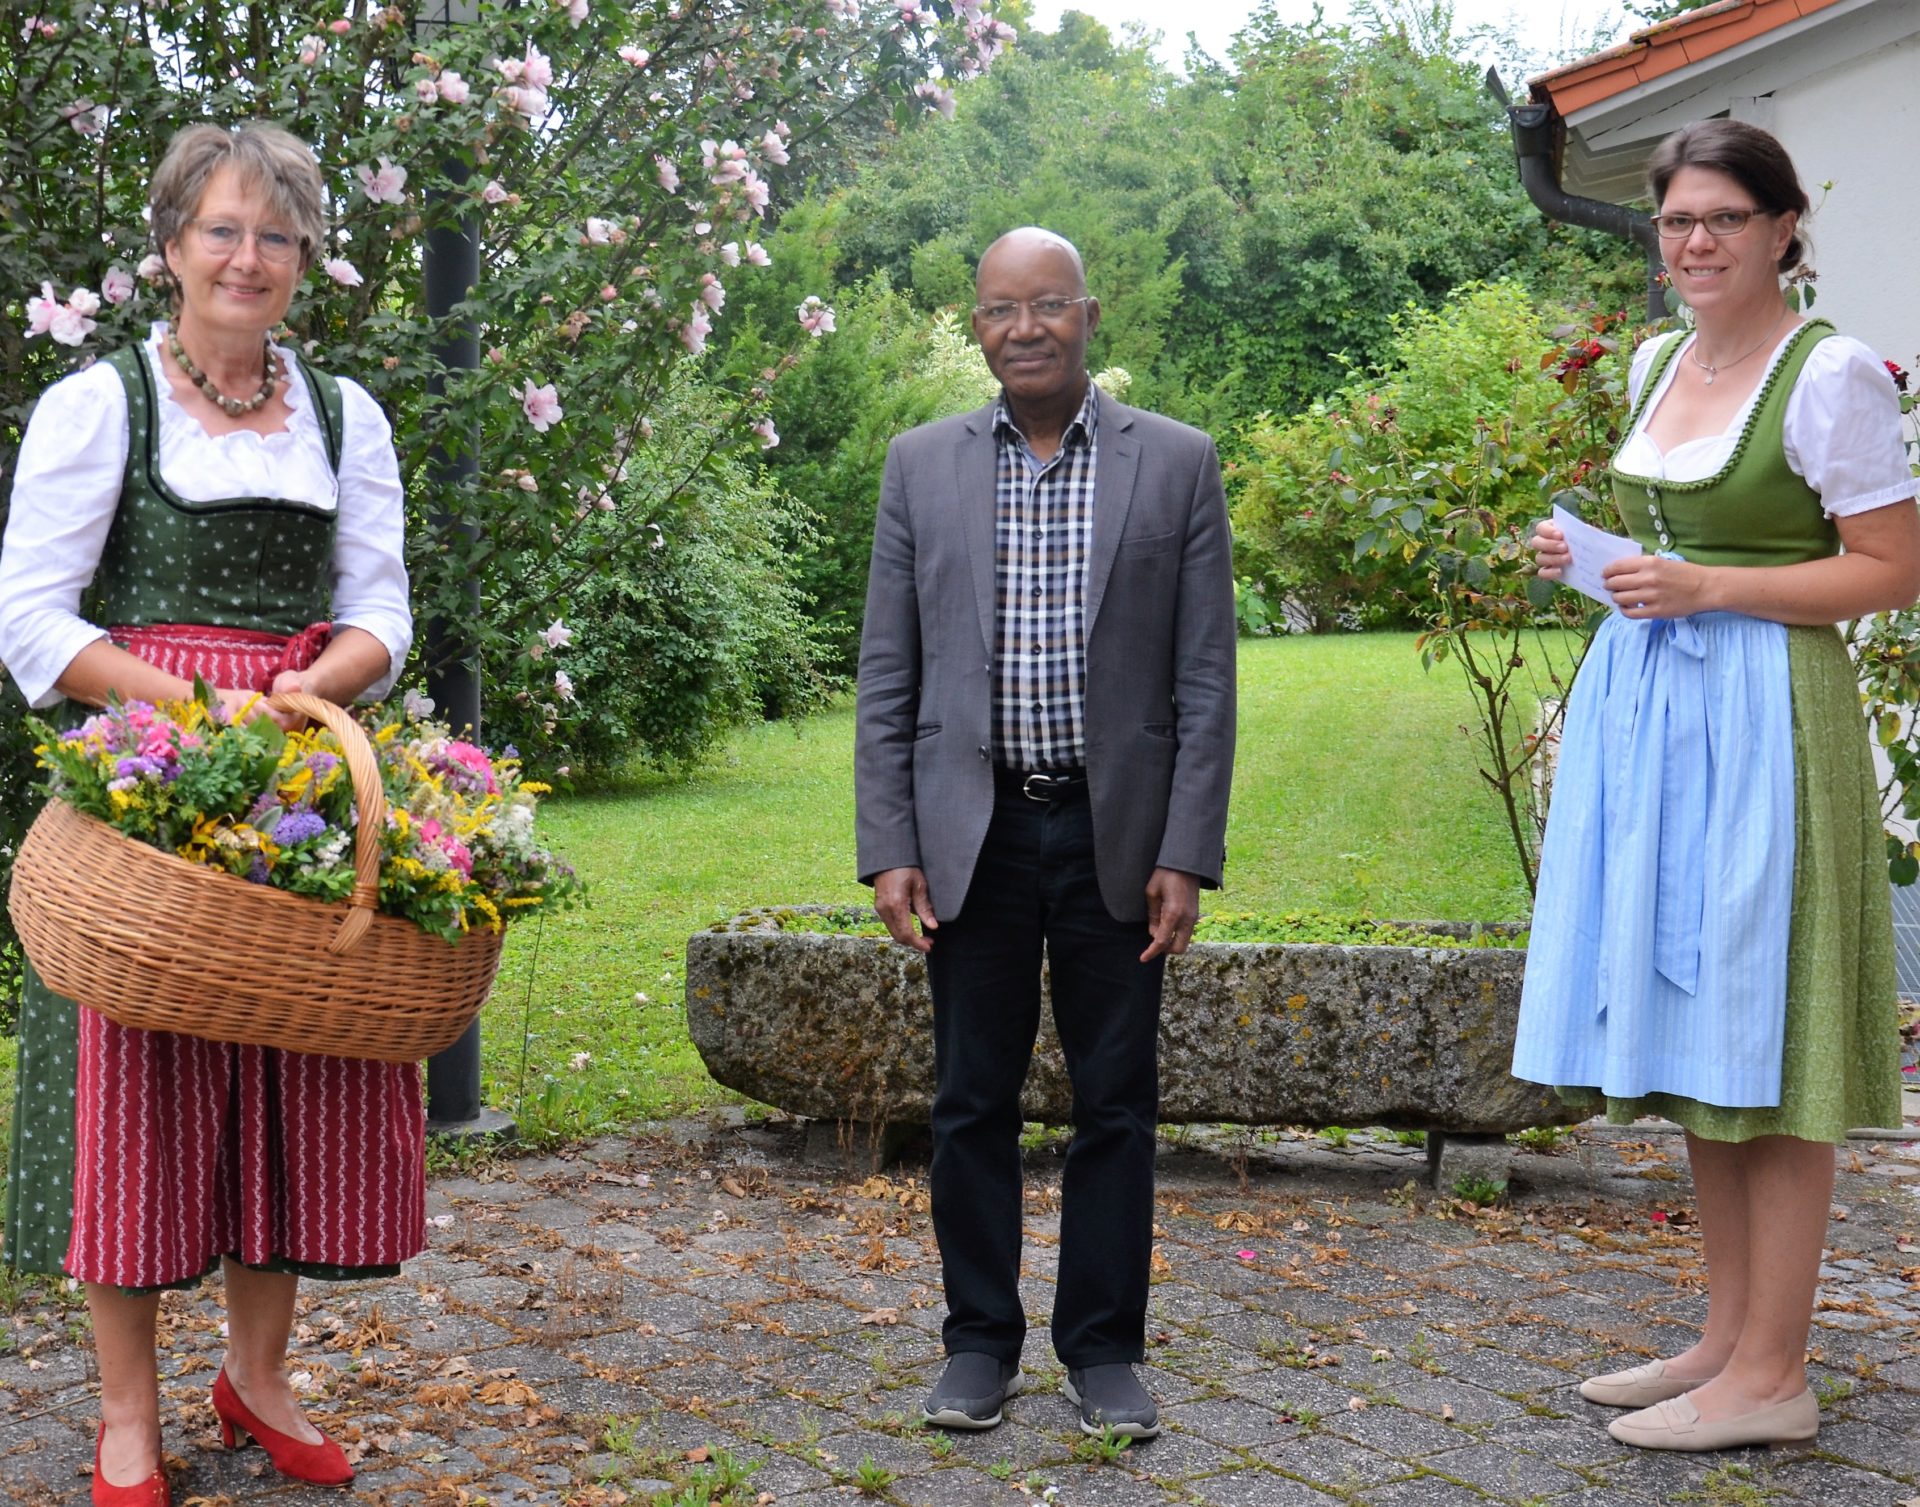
[
  {"x": 1842, "y": 427},
  {"x": 66, "y": 490}
]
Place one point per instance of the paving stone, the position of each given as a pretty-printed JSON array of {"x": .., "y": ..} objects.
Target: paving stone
[
  {"x": 1230, "y": 1422},
  {"x": 1325, "y": 1460},
  {"x": 1503, "y": 1471},
  {"x": 1396, "y": 1431},
  {"x": 1256, "y": 1488}
]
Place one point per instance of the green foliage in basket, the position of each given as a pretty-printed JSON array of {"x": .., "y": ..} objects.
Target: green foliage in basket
[{"x": 458, "y": 849}]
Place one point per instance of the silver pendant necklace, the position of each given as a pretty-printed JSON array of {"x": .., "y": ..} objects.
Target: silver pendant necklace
[
  {"x": 1713, "y": 369},
  {"x": 232, "y": 407}
]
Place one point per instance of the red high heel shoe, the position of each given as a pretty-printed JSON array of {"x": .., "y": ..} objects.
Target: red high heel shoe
[
  {"x": 323, "y": 1464},
  {"x": 151, "y": 1492}
]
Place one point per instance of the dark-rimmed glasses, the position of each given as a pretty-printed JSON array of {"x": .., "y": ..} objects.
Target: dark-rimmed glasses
[{"x": 1719, "y": 222}]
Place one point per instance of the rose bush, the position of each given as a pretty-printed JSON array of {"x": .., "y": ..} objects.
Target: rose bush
[{"x": 619, "y": 163}]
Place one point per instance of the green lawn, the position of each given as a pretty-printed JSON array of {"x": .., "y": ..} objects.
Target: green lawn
[{"x": 1355, "y": 791}]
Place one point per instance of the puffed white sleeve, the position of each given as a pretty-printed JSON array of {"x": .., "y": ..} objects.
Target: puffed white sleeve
[
  {"x": 369, "y": 563},
  {"x": 1842, "y": 429},
  {"x": 1643, "y": 363},
  {"x": 66, "y": 489}
]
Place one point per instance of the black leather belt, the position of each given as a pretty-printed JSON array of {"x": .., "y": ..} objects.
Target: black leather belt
[{"x": 1042, "y": 785}]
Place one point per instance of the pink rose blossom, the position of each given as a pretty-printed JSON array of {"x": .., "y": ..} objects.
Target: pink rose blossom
[
  {"x": 117, "y": 286},
  {"x": 537, "y": 71},
  {"x": 758, "y": 255},
  {"x": 386, "y": 184},
  {"x": 669, "y": 175},
  {"x": 342, "y": 271},
  {"x": 542, "y": 405},
  {"x": 816, "y": 318},
  {"x": 526, "y": 101},
  {"x": 425, "y": 91},
  {"x": 693, "y": 334},
  {"x": 769, "y": 437},
  {"x": 712, "y": 294},
  {"x": 453, "y": 88},
  {"x": 41, "y": 311},
  {"x": 510, "y": 69}
]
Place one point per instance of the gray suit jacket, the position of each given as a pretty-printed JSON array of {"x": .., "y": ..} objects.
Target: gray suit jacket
[{"x": 1160, "y": 649}]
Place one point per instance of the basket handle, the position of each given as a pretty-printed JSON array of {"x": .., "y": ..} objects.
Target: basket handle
[{"x": 369, "y": 795}]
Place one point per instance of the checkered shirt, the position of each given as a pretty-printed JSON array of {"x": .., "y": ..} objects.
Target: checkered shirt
[{"x": 1042, "y": 539}]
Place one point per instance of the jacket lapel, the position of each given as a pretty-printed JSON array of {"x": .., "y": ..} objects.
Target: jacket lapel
[
  {"x": 976, "y": 477},
  {"x": 1116, "y": 465}
]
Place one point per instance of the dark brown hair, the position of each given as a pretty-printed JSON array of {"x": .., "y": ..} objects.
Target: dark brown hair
[{"x": 1753, "y": 158}]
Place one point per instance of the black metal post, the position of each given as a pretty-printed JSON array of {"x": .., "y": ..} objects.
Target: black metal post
[{"x": 451, "y": 264}]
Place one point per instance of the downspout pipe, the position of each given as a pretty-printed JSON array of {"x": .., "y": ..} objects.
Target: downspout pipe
[{"x": 1535, "y": 140}]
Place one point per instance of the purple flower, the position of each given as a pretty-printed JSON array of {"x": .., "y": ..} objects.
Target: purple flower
[
  {"x": 257, "y": 871},
  {"x": 298, "y": 826}
]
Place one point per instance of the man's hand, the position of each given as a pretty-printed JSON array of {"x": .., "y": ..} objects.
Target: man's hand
[
  {"x": 1173, "y": 906},
  {"x": 899, "y": 895}
]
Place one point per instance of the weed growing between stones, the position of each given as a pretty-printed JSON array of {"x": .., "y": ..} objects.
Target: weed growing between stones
[
  {"x": 1482, "y": 1193},
  {"x": 1103, "y": 1448}
]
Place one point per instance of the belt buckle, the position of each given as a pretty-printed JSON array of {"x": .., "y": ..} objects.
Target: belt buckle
[{"x": 1045, "y": 791}]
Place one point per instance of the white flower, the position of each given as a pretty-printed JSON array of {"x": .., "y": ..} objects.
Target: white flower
[
  {"x": 453, "y": 88},
  {"x": 774, "y": 149},
  {"x": 730, "y": 253},
  {"x": 757, "y": 254},
  {"x": 557, "y": 634},
  {"x": 342, "y": 271},
  {"x": 41, "y": 310},
  {"x": 494, "y": 192},
  {"x": 598, "y": 231},
  {"x": 85, "y": 117},
  {"x": 580, "y": 1060},
  {"x": 769, "y": 437},
  {"x": 117, "y": 286},
  {"x": 669, "y": 174},
  {"x": 426, "y": 91},
  {"x": 416, "y": 705},
  {"x": 816, "y": 318},
  {"x": 637, "y": 56},
  {"x": 311, "y": 49},
  {"x": 526, "y": 101},
  {"x": 563, "y": 685},
  {"x": 84, "y": 302},
  {"x": 577, "y": 11},
  {"x": 712, "y": 294},
  {"x": 386, "y": 184},
  {"x": 70, "y": 326},
  {"x": 693, "y": 334},
  {"x": 152, "y": 267}
]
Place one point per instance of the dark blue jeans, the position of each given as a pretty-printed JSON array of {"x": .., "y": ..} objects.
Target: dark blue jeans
[{"x": 1034, "y": 888}]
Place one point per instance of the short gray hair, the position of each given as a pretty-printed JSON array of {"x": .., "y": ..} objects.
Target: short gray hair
[{"x": 267, "y": 159}]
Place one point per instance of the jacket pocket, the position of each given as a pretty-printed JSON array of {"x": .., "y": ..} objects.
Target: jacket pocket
[
  {"x": 1149, "y": 544},
  {"x": 926, "y": 730},
  {"x": 1158, "y": 730}
]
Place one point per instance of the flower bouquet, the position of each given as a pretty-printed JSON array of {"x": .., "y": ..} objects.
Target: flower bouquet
[{"x": 338, "y": 889}]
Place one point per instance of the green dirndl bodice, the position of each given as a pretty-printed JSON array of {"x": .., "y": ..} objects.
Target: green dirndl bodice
[{"x": 263, "y": 564}]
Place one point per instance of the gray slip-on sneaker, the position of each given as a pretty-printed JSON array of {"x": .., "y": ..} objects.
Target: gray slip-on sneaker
[
  {"x": 1111, "y": 1397},
  {"x": 971, "y": 1392}
]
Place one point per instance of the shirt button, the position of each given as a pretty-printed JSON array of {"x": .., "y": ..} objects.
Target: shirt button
[
  {"x": 1664, "y": 541},
  {"x": 1039, "y": 533},
  {"x": 1038, "y": 591},
  {"x": 1039, "y": 706},
  {"x": 1039, "y": 648},
  {"x": 983, "y": 751}
]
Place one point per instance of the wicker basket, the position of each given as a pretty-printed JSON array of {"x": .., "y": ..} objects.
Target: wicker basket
[{"x": 151, "y": 940}]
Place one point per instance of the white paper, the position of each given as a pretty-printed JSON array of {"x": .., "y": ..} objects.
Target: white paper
[{"x": 1593, "y": 551}]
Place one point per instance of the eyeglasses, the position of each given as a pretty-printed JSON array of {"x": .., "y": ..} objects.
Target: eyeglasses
[
  {"x": 1042, "y": 308},
  {"x": 223, "y": 238},
  {"x": 1719, "y": 222}
]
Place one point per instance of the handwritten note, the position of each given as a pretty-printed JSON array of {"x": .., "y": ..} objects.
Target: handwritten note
[{"x": 1593, "y": 550}]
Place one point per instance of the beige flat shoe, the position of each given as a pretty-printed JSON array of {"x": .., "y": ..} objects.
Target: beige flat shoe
[
  {"x": 1677, "y": 1424},
  {"x": 1637, "y": 1387}
]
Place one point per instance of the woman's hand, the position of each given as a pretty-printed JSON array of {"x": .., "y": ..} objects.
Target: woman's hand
[
  {"x": 1550, "y": 550},
  {"x": 244, "y": 706},
  {"x": 1647, "y": 586}
]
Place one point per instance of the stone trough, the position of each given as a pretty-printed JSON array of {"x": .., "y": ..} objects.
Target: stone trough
[{"x": 839, "y": 1028}]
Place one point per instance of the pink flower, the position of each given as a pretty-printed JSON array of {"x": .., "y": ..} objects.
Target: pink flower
[
  {"x": 563, "y": 685},
  {"x": 730, "y": 253},
  {"x": 41, "y": 311},
  {"x": 537, "y": 72},
  {"x": 493, "y": 193},
  {"x": 577, "y": 11},
  {"x": 525, "y": 101},
  {"x": 712, "y": 294},
  {"x": 84, "y": 302},
  {"x": 557, "y": 634},
  {"x": 453, "y": 88},
  {"x": 510, "y": 69},
  {"x": 542, "y": 406},
  {"x": 757, "y": 254},
  {"x": 816, "y": 318},
  {"x": 936, "y": 97},
  {"x": 342, "y": 271},
  {"x": 426, "y": 91},
  {"x": 669, "y": 174},
  {"x": 416, "y": 705},
  {"x": 85, "y": 117},
  {"x": 599, "y": 232},
  {"x": 310, "y": 50},
  {"x": 117, "y": 286},
  {"x": 693, "y": 334},
  {"x": 769, "y": 437},
  {"x": 756, "y": 192},
  {"x": 471, "y": 760},
  {"x": 1248, "y": 1255},
  {"x": 386, "y": 184},
  {"x": 608, "y": 293},
  {"x": 340, "y": 26},
  {"x": 637, "y": 56},
  {"x": 774, "y": 149},
  {"x": 152, "y": 267}
]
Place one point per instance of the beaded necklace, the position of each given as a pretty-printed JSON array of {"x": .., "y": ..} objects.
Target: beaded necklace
[{"x": 233, "y": 407}]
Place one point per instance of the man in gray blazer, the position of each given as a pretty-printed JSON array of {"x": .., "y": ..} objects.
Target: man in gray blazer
[{"x": 1045, "y": 745}]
